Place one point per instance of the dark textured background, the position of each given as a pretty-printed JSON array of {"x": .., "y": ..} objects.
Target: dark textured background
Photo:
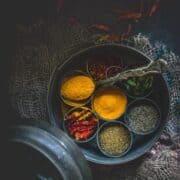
[{"x": 162, "y": 26}]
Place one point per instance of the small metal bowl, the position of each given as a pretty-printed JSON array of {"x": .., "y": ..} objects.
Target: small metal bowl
[
  {"x": 119, "y": 65},
  {"x": 146, "y": 94},
  {"x": 109, "y": 124},
  {"x": 142, "y": 101},
  {"x": 92, "y": 136},
  {"x": 92, "y": 106},
  {"x": 75, "y": 103}
]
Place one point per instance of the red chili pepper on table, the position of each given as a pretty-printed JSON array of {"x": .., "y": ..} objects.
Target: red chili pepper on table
[
  {"x": 129, "y": 16},
  {"x": 154, "y": 8},
  {"x": 129, "y": 29},
  {"x": 81, "y": 129},
  {"x": 141, "y": 9},
  {"x": 101, "y": 27},
  {"x": 59, "y": 6},
  {"x": 83, "y": 135}
]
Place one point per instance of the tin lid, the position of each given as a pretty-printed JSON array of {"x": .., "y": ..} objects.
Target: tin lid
[{"x": 58, "y": 154}]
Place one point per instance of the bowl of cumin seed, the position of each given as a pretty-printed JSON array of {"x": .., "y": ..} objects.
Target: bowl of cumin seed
[{"x": 143, "y": 116}]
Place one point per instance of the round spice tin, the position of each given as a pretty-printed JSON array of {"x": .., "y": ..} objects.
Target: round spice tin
[
  {"x": 70, "y": 102},
  {"x": 80, "y": 125},
  {"x": 111, "y": 124},
  {"x": 146, "y": 93},
  {"x": 146, "y": 103},
  {"x": 141, "y": 142},
  {"x": 98, "y": 91}
]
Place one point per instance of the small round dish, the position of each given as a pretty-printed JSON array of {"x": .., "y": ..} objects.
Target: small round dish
[
  {"x": 114, "y": 124},
  {"x": 132, "y": 84},
  {"x": 109, "y": 101},
  {"x": 81, "y": 124},
  {"x": 142, "y": 104},
  {"x": 75, "y": 103},
  {"x": 97, "y": 67}
]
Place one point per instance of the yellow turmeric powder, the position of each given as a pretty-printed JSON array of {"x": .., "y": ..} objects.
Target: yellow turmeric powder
[
  {"x": 77, "y": 88},
  {"x": 109, "y": 103}
]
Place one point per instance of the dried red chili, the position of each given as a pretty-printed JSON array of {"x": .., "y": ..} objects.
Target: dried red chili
[
  {"x": 81, "y": 123},
  {"x": 59, "y": 6},
  {"x": 154, "y": 8},
  {"x": 98, "y": 67},
  {"x": 129, "y": 16},
  {"x": 141, "y": 9},
  {"x": 129, "y": 29},
  {"x": 101, "y": 27}
]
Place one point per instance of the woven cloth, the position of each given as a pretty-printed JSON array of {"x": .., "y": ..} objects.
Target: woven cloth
[{"x": 42, "y": 46}]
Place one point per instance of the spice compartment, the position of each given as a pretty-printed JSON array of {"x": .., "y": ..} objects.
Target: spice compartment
[
  {"x": 141, "y": 143},
  {"x": 81, "y": 124},
  {"x": 114, "y": 139},
  {"x": 143, "y": 116}
]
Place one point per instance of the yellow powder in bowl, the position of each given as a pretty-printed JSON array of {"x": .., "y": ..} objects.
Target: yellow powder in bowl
[
  {"x": 109, "y": 103},
  {"x": 77, "y": 88}
]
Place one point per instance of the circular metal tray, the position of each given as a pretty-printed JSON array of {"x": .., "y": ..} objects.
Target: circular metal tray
[{"x": 129, "y": 56}]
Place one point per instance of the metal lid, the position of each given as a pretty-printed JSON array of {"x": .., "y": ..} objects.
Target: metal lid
[{"x": 61, "y": 152}]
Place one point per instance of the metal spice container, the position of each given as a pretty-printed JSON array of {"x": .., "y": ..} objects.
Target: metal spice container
[
  {"x": 114, "y": 139},
  {"x": 143, "y": 116}
]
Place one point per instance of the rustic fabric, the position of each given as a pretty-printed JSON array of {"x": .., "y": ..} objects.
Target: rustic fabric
[{"x": 42, "y": 46}]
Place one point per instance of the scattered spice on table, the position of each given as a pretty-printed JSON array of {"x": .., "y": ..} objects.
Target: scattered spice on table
[
  {"x": 125, "y": 34},
  {"x": 139, "y": 10},
  {"x": 59, "y": 6},
  {"x": 107, "y": 38},
  {"x": 109, "y": 103},
  {"x": 114, "y": 139},
  {"x": 77, "y": 88},
  {"x": 139, "y": 86},
  {"x": 154, "y": 8},
  {"x": 130, "y": 16},
  {"x": 81, "y": 123},
  {"x": 98, "y": 67},
  {"x": 143, "y": 118}
]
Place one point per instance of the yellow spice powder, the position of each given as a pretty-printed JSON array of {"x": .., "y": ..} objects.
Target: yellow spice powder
[
  {"x": 77, "y": 88},
  {"x": 110, "y": 103}
]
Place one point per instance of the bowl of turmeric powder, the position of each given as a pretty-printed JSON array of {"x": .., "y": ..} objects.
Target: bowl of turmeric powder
[
  {"x": 76, "y": 88},
  {"x": 109, "y": 103},
  {"x": 81, "y": 124}
]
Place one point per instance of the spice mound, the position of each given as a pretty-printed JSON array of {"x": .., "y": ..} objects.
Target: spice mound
[
  {"x": 114, "y": 139},
  {"x": 109, "y": 103},
  {"x": 81, "y": 123},
  {"x": 143, "y": 118},
  {"x": 77, "y": 88},
  {"x": 139, "y": 86}
]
